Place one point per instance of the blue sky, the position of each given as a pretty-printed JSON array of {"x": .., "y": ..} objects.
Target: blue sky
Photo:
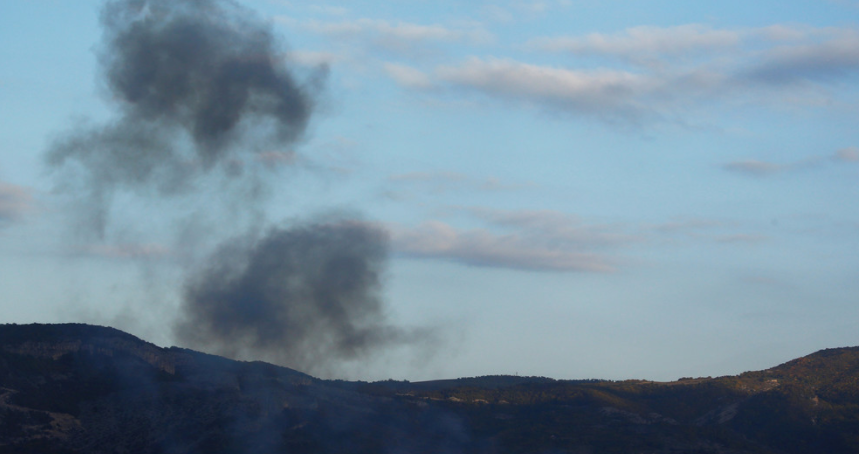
[{"x": 573, "y": 189}]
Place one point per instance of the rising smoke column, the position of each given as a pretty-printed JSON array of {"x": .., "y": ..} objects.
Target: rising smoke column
[{"x": 200, "y": 85}]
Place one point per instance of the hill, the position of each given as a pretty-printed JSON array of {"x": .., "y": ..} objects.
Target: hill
[{"x": 86, "y": 389}]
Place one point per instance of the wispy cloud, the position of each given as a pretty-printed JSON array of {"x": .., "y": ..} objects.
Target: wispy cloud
[
  {"x": 753, "y": 48},
  {"x": 702, "y": 230},
  {"x": 407, "y": 76},
  {"x": 513, "y": 10},
  {"x": 615, "y": 96},
  {"x": 479, "y": 247},
  {"x": 15, "y": 202},
  {"x": 441, "y": 181},
  {"x": 759, "y": 168},
  {"x": 539, "y": 6},
  {"x": 849, "y": 154},
  {"x": 643, "y": 44},
  {"x": 526, "y": 240},
  {"x": 833, "y": 57},
  {"x": 647, "y": 75},
  {"x": 755, "y": 167},
  {"x": 553, "y": 241},
  {"x": 604, "y": 93},
  {"x": 562, "y": 228},
  {"x": 688, "y": 225},
  {"x": 400, "y": 36},
  {"x": 665, "y": 73},
  {"x": 329, "y": 10}
]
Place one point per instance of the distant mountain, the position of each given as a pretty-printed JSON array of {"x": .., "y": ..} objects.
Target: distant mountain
[{"x": 76, "y": 388}]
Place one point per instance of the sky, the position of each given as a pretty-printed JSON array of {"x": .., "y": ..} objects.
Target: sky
[{"x": 568, "y": 188}]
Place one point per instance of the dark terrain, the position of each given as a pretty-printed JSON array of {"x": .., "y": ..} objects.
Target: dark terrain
[{"x": 87, "y": 389}]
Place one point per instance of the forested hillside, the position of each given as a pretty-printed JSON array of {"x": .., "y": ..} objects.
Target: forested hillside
[{"x": 88, "y": 389}]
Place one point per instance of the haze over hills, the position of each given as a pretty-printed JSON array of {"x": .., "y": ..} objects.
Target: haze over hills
[{"x": 76, "y": 388}]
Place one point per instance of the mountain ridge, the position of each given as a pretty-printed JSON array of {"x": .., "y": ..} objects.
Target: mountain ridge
[{"x": 73, "y": 388}]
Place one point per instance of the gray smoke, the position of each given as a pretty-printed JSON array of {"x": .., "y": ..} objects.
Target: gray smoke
[
  {"x": 200, "y": 87},
  {"x": 198, "y": 84},
  {"x": 302, "y": 296}
]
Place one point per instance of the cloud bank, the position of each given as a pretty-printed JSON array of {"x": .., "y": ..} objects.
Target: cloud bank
[{"x": 653, "y": 74}]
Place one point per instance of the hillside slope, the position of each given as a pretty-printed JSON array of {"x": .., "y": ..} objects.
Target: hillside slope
[{"x": 85, "y": 389}]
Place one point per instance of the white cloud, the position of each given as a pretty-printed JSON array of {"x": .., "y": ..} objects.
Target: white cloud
[
  {"x": 417, "y": 32},
  {"x": 601, "y": 92},
  {"x": 392, "y": 34},
  {"x": 781, "y": 32},
  {"x": 329, "y": 10},
  {"x": 656, "y": 73},
  {"x": 561, "y": 228},
  {"x": 529, "y": 240},
  {"x": 823, "y": 60},
  {"x": 648, "y": 44},
  {"x": 643, "y": 43},
  {"x": 677, "y": 70},
  {"x": 615, "y": 96},
  {"x": 514, "y": 10},
  {"x": 537, "y": 7},
  {"x": 764, "y": 168},
  {"x": 408, "y": 77},
  {"x": 480, "y": 247}
]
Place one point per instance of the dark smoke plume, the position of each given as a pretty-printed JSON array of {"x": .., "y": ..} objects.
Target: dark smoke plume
[
  {"x": 301, "y": 296},
  {"x": 201, "y": 91},
  {"x": 199, "y": 85}
]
